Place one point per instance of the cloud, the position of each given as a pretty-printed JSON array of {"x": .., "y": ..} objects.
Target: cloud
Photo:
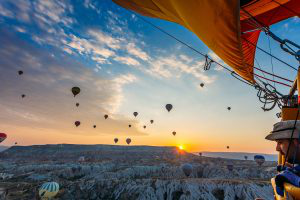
[
  {"x": 137, "y": 52},
  {"x": 127, "y": 60},
  {"x": 175, "y": 66},
  {"x": 6, "y": 12},
  {"x": 49, "y": 103},
  {"x": 53, "y": 12},
  {"x": 90, "y": 5},
  {"x": 84, "y": 46}
]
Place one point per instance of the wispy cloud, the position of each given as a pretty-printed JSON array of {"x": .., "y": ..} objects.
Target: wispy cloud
[
  {"x": 176, "y": 66},
  {"x": 137, "y": 52},
  {"x": 47, "y": 82},
  {"x": 127, "y": 60}
]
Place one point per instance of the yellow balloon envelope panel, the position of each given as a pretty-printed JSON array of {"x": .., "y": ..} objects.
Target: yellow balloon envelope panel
[{"x": 49, "y": 190}]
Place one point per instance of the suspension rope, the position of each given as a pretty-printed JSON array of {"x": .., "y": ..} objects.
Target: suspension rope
[
  {"x": 272, "y": 80},
  {"x": 265, "y": 95},
  {"x": 266, "y": 29},
  {"x": 259, "y": 69},
  {"x": 271, "y": 55},
  {"x": 271, "y": 59}
]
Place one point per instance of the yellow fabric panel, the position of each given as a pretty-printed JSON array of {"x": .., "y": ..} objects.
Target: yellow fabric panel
[{"x": 216, "y": 23}]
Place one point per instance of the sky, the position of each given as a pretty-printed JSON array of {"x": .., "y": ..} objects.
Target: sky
[{"x": 123, "y": 65}]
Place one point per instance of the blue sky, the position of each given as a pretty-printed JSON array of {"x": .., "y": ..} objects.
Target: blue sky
[{"x": 124, "y": 65}]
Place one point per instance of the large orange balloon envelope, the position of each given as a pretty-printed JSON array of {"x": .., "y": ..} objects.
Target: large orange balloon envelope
[{"x": 226, "y": 27}]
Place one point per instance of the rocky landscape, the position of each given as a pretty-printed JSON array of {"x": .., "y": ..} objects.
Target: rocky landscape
[{"x": 129, "y": 172}]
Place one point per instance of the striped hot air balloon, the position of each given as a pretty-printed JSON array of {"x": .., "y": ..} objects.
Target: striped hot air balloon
[{"x": 49, "y": 190}]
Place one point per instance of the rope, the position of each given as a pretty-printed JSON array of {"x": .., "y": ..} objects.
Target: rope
[
  {"x": 272, "y": 80},
  {"x": 266, "y": 29},
  {"x": 268, "y": 95},
  {"x": 270, "y": 55},
  {"x": 271, "y": 59},
  {"x": 259, "y": 69}
]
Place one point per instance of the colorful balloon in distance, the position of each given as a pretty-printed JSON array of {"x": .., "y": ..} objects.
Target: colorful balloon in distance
[
  {"x": 3, "y": 136},
  {"x": 151, "y": 121},
  {"x": 230, "y": 167},
  {"x": 129, "y": 125},
  {"x": 75, "y": 91},
  {"x": 49, "y": 190},
  {"x": 77, "y": 104},
  {"x": 77, "y": 123},
  {"x": 16, "y": 143},
  {"x": 228, "y": 108},
  {"x": 200, "y": 154},
  {"x": 94, "y": 126},
  {"x": 128, "y": 141},
  {"x": 227, "y": 147},
  {"x": 187, "y": 169},
  {"x": 201, "y": 84},
  {"x": 246, "y": 157},
  {"x": 174, "y": 133},
  {"x": 23, "y": 95},
  {"x": 144, "y": 126},
  {"x": 135, "y": 114},
  {"x": 259, "y": 159},
  {"x": 169, "y": 107},
  {"x": 116, "y": 140},
  {"x": 105, "y": 116},
  {"x": 20, "y": 72}
]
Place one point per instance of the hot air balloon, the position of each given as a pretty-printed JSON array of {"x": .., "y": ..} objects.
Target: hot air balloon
[
  {"x": 144, "y": 126},
  {"x": 246, "y": 157},
  {"x": 187, "y": 169},
  {"x": 128, "y": 141},
  {"x": 151, "y": 121},
  {"x": 94, "y": 126},
  {"x": 20, "y": 72},
  {"x": 77, "y": 104},
  {"x": 3, "y": 136},
  {"x": 174, "y": 133},
  {"x": 259, "y": 159},
  {"x": 230, "y": 167},
  {"x": 135, "y": 114},
  {"x": 129, "y": 125},
  {"x": 75, "y": 90},
  {"x": 77, "y": 123},
  {"x": 48, "y": 190},
  {"x": 228, "y": 108},
  {"x": 227, "y": 147},
  {"x": 169, "y": 107},
  {"x": 23, "y": 95},
  {"x": 116, "y": 140},
  {"x": 234, "y": 36},
  {"x": 81, "y": 159},
  {"x": 200, "y": 154},
  {"x": 201, "y": 84},
  {"x": 105, "y": 116},
  {"x": 238, "y": 29},
  {"x": 16, "y": 143}
]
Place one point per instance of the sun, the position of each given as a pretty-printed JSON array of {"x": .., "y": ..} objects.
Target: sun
[{"x": 181, "y": 147}]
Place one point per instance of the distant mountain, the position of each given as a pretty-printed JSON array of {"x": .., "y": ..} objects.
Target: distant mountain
[{"x": 238, "y": 155}]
